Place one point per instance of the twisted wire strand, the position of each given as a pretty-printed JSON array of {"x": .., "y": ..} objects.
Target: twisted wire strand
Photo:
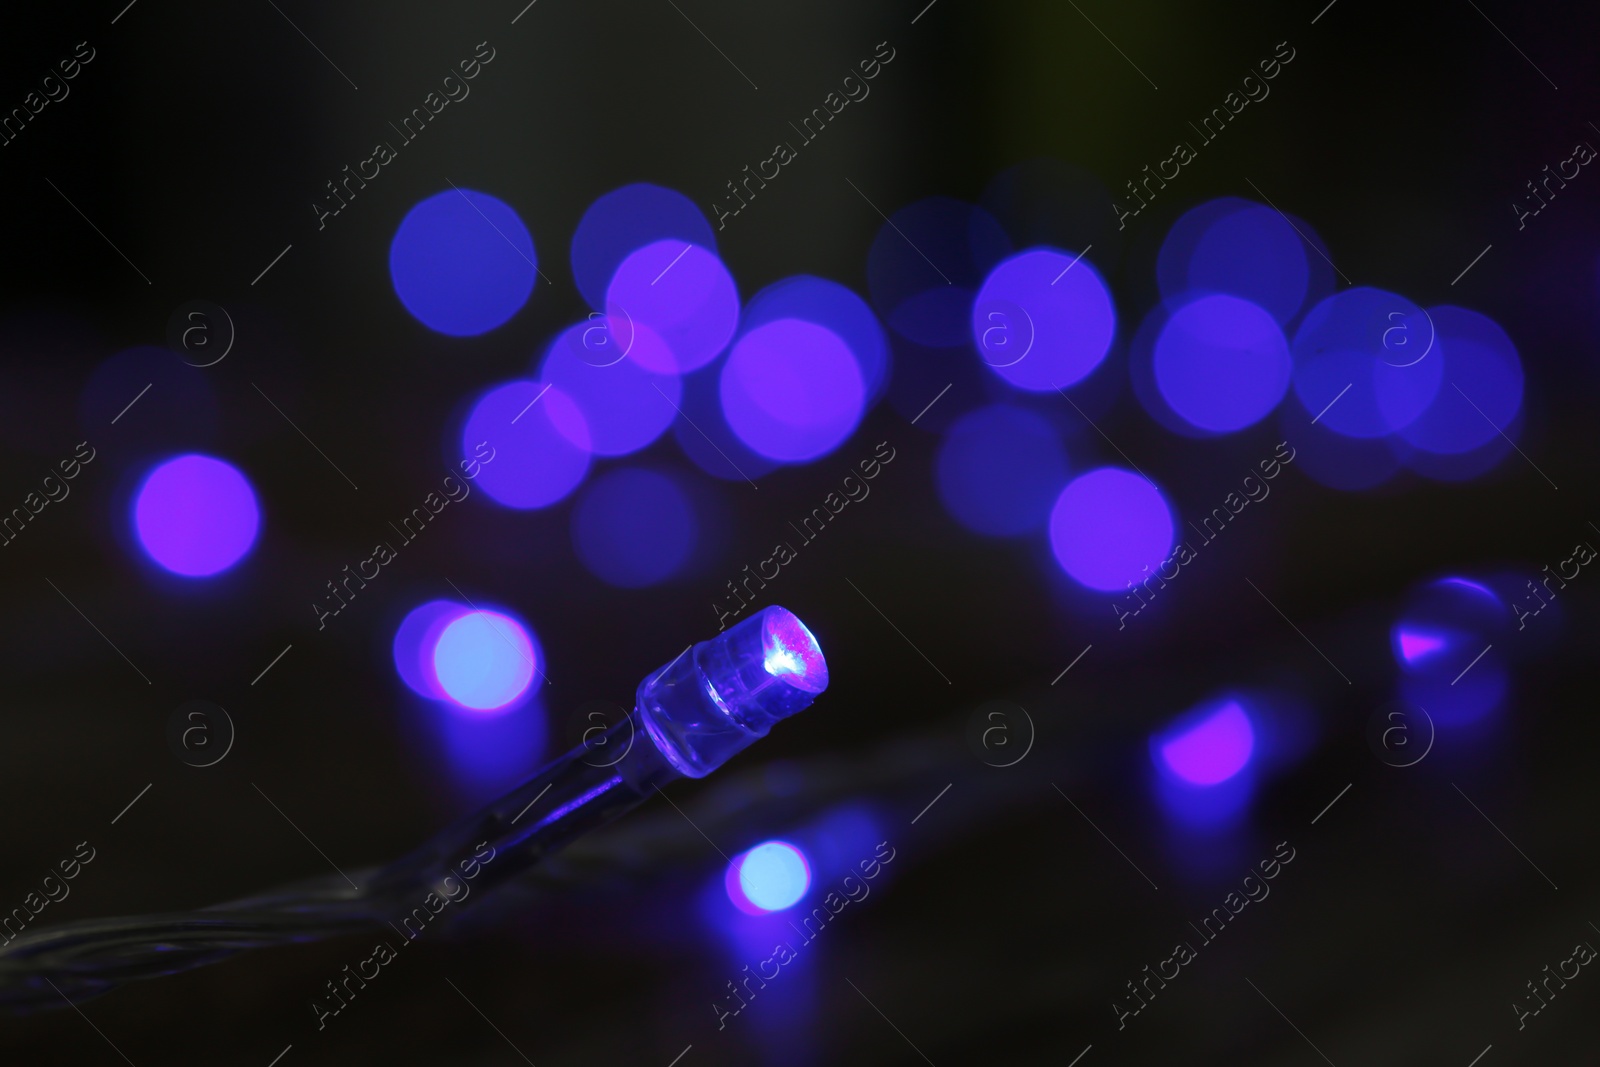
[{"x": 75, "y": 961}]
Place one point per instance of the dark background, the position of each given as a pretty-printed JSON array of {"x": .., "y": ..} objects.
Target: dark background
[{"x": 195, "y": 142}]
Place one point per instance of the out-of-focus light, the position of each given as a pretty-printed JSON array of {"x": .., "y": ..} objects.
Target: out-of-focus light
[
  {"x": 1110, "y": 527},
  {"x": 1485, "y": 391},
  {"x": 488, "y": 754},
  {"x": 789, "y": 650},
  {"x": 1209, "y": 813},
  {"x": 1455, "y": 609},
  {"x": 196, "y": 516},
  {"x": 624, "y": 406},
  {"x": 1335, "y": 460},
  {"x": 1140, "y": 364},
  {"x": 771, "y": 877},
  {"x": 1043, "y": 319},
  {"x": 484, "y": 660},
  {"x": 1469, "y": 584},
  {"x": 1448, "y": 641},
  {"x": 1456, "y": 704},
  {"x": 462, "y": 262},
  {"x": 1222, "y": 363},
  {"x": 677, "y": 301},
  {"x": 999, "y": 470},
  {"x": 791, "y": 390},
  {"x": 1367, "y": 362},
  {"x": 1210, "y": 750},
  {"x": 835, "y": 307},
  {"x": 1455, "y": 595},
  {"x": 414, "y": 641},
  {"x": 532, "y": 429},
  {"x": 705, "y": 436},
  {"x": 624, "y": 221},
  {"x": 633, "y": 528},
  {"x": 1458, "y": 466},
  {"x": 1236, "y": 247},
  {"x": 1284, "y": 725},
  {"x": 925, "y": 264},
  {"x": 1415, "y": 645}
]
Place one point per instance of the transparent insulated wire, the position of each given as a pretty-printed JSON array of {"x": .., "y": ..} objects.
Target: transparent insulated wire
[{"x": 712, "y": 701}]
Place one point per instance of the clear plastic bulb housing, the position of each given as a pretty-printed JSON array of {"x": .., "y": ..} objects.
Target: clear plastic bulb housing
[{"x": 722, "y": 695}]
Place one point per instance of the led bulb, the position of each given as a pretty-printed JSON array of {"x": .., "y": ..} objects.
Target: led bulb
[{"x": 721, "y": 695}]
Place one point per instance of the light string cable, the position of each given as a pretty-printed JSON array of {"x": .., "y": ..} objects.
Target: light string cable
[{"x": 714, "y": 700}]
